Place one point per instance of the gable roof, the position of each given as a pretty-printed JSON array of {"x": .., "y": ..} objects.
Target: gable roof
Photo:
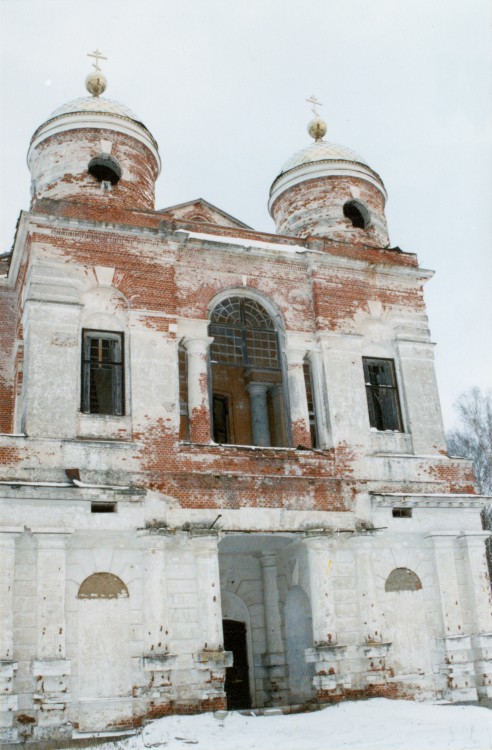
[{"x": 200, "y": 210}]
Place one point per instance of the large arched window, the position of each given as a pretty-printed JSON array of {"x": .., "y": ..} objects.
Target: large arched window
[{"x": 248, "y": 404}]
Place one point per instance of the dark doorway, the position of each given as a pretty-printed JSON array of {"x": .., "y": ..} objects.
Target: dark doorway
[
  {"x": 220, "y": 418},
  {"x": 237, "y": 676}
]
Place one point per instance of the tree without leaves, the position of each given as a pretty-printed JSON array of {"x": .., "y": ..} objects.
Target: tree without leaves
[{"x": 473, "y": 438}]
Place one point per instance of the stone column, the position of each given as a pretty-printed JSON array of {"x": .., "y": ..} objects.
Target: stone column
[
  {"x": 8, "y": 701},
  {"x": 480, "y": 599},
  {"x": 280, "y": 430},
  {"x": 320, "y": 398},
  {"x": 198, "y": 395},
  {"x": 211, "y": 659},
  {"x": 456, "y": 656},
  {"x": 259, "y": 412},
  {"x": 275, "y": 657},
  {"x": 51, "y": 668},
  {"x": 299, "y": 414}
]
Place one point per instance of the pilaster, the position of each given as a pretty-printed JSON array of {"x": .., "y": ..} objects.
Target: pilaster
[
  {"x": 211, "y": 658},
  {"x": 51, "y": 669},
  {"x": 454, "y": 645},
  {"x": 372, "y": 649},
  {"x": 328, "y": 655},
  {"x": 8, "y": 667},
  {"x": 480, "y": 599}
]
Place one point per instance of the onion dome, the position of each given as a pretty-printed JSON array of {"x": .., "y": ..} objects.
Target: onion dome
[
  {"x": 328, "y": 190},
  {"x": 94, "y": 149}
]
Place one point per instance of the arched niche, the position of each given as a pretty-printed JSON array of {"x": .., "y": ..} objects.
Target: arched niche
[
  {"x": 402, "y": 579},
  {"x": 102, "y": 586}
]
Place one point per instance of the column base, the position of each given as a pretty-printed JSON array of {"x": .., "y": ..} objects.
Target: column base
[
  {"x": 458, "y": 669},
  {"x": 329, "y": 662},
  {"x": 373, "y": 657},
  {"x": 8, "y": 702},
  {"x": 482, "y": 657}
]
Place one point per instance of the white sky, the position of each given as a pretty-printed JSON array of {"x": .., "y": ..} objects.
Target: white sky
[{"x": 222, "y": 85}]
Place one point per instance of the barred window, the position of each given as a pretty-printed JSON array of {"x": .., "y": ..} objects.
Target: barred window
[
  {"x": 244, "y": 334},
  {"x": 102, "y": 373},
  {"x": 382, "y": 394},
  {"x": 247, "y": 390}
]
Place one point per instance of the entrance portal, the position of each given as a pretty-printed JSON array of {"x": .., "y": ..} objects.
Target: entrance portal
[{"x": 237, "y": 676}]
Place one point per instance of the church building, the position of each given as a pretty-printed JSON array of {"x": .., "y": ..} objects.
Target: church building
[{"x": 224, "y": 481}]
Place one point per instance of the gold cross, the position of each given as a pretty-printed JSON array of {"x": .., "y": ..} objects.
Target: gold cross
[
  {"x": 98, "y": 56},
  {"x": 312, "y": 100}
]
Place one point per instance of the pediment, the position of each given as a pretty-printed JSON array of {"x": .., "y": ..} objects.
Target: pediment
[{"x": 201, "y": 211}]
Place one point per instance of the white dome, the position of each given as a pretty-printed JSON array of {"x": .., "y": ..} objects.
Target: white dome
[
  {"x": 95, "y": 104},
  {"x": 322, "y": 151}
]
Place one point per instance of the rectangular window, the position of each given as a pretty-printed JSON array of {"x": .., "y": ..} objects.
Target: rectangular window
[
  {"x": 102, "y": 373},
  {"x": 310, "y": 403},
  {"x": 382, "y": 394}
]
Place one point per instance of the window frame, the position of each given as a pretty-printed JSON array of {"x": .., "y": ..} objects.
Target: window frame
[
  {"x": 118, "y": 404},
  {"x": 374, "y": 402}
]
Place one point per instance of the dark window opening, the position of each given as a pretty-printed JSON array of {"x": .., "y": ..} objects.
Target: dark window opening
[
  {"x": 382, "y": 394},
  {"x": 402, "y": 513},
  {"x": 357, "y": 214},
  {"x": 248, "y": 404},
  {"x": 184, "y": 421},
  {"x": 103, "y": 507},
  {"x": 220, "y": 414},
  {"x": 105, "y": 168},
  {"x": 102, "y": 373},
  {"x": 310, "y": 404}
]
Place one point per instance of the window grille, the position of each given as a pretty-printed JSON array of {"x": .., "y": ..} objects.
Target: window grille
[
  {"x": 244, "y": 334},
  {"x": 382, "y": 394},
  {"x": 102, "y": 373}
]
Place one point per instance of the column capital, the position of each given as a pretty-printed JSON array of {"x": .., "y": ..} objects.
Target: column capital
[
  {"x": 295, "y": 355},
  {"x": 443, "y": 538},
  {"x": 256, "y": 386},
  {"x": 51, "y": 538},
  {"x": 197, "y": 345}
]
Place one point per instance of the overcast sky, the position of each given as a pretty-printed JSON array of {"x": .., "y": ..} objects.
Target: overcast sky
[{"x": 222, "y": 85}]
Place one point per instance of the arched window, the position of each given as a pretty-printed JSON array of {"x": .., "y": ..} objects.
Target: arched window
[
  {"x": 248, "y": 405},
  {"x": 357, "y": 214},
  {"x": 402, "y": 579}
]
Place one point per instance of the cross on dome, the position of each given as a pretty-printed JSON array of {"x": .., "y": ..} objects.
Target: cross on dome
[
  {"x": 317, "y": 126},
  {"x": 95, "y": 82},
  {"x": 97, "y": 56},
  {"x": 313, "y": 100}
]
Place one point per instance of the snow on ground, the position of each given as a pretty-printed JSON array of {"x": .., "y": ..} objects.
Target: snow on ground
[{"x": 377, "y": 724}]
